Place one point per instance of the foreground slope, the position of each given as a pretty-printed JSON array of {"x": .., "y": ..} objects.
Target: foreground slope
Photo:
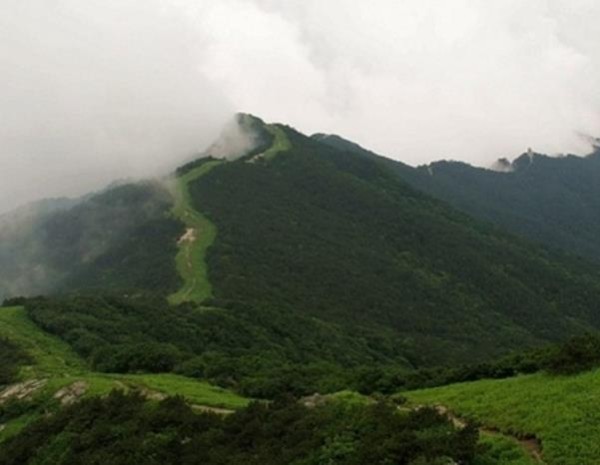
[
  {"x": 56, "y": 375},
  {"x": 561, "y": 412}
]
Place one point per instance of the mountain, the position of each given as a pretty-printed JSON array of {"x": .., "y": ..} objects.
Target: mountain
[
  {"x": 326, "y": 233},
  {"x": 554, "y": 200},
  {"x": 310, "y": 253},
  {"x": 116, "y": 238},
  {"x": 313, "y": 232},
  {"x": 296, "y": 265}
]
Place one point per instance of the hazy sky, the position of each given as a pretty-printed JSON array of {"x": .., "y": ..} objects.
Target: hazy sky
[{"x": 91, "y": 90}]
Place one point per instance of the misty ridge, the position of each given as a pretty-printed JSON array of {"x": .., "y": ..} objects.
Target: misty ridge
[
  {"x": 44, "y": 244},
  {"x": 102, "y": 90},
  {"x": 301, "y": 232}
]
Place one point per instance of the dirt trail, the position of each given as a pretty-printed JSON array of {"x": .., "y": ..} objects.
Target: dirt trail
[
  {"x": 188, "y": 236},
  {"x": 152, "y": 394},
  {"x": 71, "y": 393},
  {"x": 531, "y": 444}
]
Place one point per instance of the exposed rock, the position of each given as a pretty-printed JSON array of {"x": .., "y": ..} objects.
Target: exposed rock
[
  {"x": 71, "y": 393},
  {"x": 22, "y": 390}
]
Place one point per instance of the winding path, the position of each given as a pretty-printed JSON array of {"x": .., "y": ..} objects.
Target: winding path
[
  {"x": 198, "y": 237},
  {"x": 531, "y": 445}
]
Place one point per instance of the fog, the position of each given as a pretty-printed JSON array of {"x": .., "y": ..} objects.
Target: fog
[{"x": 96, "y": 90}]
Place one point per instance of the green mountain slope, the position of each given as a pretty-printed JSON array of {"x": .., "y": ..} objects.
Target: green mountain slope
[
  {"x": 122, "y": 238},
  {"x": 51, "y": 371},
  {"x": 561, "y": 412},
  {"x": 333, "y": 235},
  {"x": 554, "y": 200},
  {"x": 323, "y": 255}
]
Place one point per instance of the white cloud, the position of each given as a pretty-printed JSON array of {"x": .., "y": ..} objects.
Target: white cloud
[
  {"x": 115, "y": 87},
  {"x": 97, "y": 90}
]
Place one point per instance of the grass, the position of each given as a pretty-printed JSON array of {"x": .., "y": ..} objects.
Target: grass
[
  {"x": 280, "y": 144},
  {"x": 196, "y": 392},
  {"x": 350, "y": 398},
  {"x": 500, "y": 450},
  {"x": 190, "y": 260},
  {"x": 562, "y": 412},
  {"x": 55, "y": 362},
  {"x": 52, "y": 356}
]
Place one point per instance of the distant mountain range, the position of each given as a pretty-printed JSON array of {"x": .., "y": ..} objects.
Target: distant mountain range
[{"x": 553, "y": 200}]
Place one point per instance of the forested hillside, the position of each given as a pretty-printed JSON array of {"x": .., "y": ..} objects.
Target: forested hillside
[
  {"x": 120, "y": 238},
  {"x": 309, "y": 266},
  {"x": 314, "y": 246},
  {"x": 553, "y": 200},
  {"x": 333, "y": 235}
]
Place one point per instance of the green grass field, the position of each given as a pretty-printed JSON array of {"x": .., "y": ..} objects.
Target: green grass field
[
  {"x": 56, "y": 363},
  {"x": 281, "y": 142},
  {"x": 501, "y": 450},
  {"x": 562, "y": 412},
  {"x": 52, "y": 356},
  {"x": 190, "y": 261}
]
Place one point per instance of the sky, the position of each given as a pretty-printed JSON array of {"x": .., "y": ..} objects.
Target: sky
[{"x": 96, "y": 90}]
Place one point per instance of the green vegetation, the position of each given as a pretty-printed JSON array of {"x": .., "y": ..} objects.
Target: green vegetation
[
  {"x": 200, "y": 234},
  {"x": 260, "y": 352},
  {"x": 336, "y": 237},
  {"x": 502, "y": 450},
  {"x": 51, "y": 356},
  {"x": 328, "y": 273},
  {"x": 280, "y": 144},
  {"x": 121, "y": 238},
  {"x": 12, "y": 357},
  {"x": 124, "y": 429},
  {"x": 553, "y": 200},
  {"x": 194, "y": 391},
  {"x": 560, "y": 411},
  {"x": 51, "y": 365}
]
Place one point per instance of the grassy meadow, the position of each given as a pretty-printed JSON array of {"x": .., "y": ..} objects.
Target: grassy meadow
[{"x": 563, "y": 412}]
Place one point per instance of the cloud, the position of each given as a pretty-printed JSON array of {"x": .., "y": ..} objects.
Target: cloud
[
  {"x": 417, "y": 80},
  {"x": 95, "y": 90}
]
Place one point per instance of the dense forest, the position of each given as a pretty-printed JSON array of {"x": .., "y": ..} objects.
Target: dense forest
[
  {"x": 336, "y": 236},
  {"x": 120, "y": 238},
  {"x": 327, "y": 273},
  {"x": 553, "y": 200},
  {"x": 12, "y": 357},
  {"x": 126, "y": 429},
  {"x": 261, "y": 354}
]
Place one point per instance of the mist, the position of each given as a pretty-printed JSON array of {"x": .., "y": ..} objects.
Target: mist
[{"x": 97, "y": 90}]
